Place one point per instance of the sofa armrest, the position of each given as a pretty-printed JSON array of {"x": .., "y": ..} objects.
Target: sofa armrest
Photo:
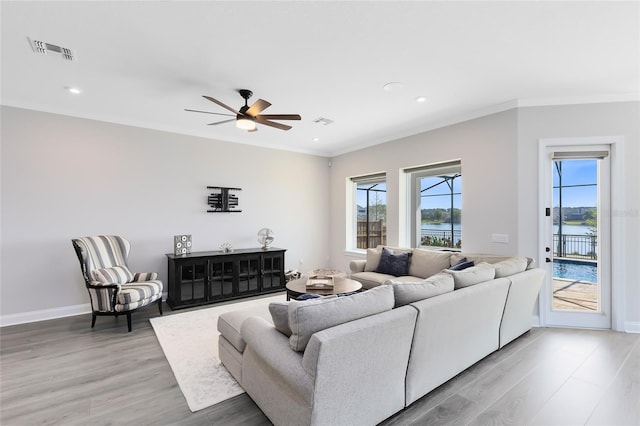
[
  {"x": 272, "y": 348},
  {"x": 361, "y": 364},
  {"x": 517, "y": 318},
  {"x": 357, "y": 265}
]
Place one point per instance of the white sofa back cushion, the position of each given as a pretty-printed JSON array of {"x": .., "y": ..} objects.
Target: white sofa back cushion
[
  {"x": 409, "y": 292},
  {"x": 373, "y": 259},
  {"x": 471, "y": 276},
  {"x": 425, "y": 263},
  {"x": 489, "y": 258},
  {"x": 510, "y": 266},
  {"x": 306, "y": 318}
]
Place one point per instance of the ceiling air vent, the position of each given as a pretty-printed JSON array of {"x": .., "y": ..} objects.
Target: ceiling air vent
[
  {"x": 43, "y": 48},
  {"x": 322, "y": 120}
]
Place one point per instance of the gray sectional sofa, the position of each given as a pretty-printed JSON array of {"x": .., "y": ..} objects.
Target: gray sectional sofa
[{"x": 360, "y": 359}]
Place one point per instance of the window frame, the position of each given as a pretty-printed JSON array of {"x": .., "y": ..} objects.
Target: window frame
[
  {"x": 413, "y": 177},
  {"x": 354, "y": 182}
]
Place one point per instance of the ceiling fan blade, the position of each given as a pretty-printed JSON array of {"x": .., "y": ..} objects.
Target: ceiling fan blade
[
  {"x": 257, "y": 107},
  {"x": 261, "y": 120},
  {"x": 207, "y": 112},
  {"x": 281, "y": 116},
  {"x": 221, "y": 122},
  {"x": 215, "y": 101}
]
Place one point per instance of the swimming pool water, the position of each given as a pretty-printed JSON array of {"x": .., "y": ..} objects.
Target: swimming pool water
[{"x": 572, "y": 270}]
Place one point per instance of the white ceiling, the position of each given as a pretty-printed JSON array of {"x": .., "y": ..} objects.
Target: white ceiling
[{"x": 142, "y": 63}]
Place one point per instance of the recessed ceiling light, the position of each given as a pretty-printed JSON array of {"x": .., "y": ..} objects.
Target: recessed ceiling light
[
  {"x": 392, "y": 86},
  {"x": 316, "y": 139},
  {"x": 74, "y": 90},
  {"x": 421, "y": 99}
]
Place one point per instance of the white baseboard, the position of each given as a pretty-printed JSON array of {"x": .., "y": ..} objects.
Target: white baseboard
[
  {"x": 632, "y": 326},
  {"x": 535, "y": 321},
  {"x": 48, "y": 314},
  {"x": 45, "y": 314}
]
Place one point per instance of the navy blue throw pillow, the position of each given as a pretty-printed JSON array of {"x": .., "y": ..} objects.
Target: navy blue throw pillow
[
  {"x": 462, "y": 264},
  {"x": 393, "y": 264},
  {"x": 308, "y": 296}
]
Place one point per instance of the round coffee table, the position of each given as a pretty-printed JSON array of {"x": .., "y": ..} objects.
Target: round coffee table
[{"x": 341, "y": 285}]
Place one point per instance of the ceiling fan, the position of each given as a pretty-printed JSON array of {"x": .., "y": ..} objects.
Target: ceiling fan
[{"x": 247, "y": 117}]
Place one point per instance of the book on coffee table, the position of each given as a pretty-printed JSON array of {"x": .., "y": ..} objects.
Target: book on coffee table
[{"x": 319, "y": 282}]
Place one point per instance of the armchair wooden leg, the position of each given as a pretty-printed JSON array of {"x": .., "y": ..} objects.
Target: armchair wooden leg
[
  {"x": 93, "y": 320},
  {"x": 160, "y": 305},
  {"x": 129, "y": 321}
]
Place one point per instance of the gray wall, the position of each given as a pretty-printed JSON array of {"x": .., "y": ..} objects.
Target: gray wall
[
  {"x": 578, "y": 121},
  {"x": 65, "y": 177},
  {"x": 486, "y": 147},
  {"x": 499, "y": 156}
]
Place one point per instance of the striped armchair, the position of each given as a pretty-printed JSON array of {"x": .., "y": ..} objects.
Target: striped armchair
[{"x": 113, "y": 289}]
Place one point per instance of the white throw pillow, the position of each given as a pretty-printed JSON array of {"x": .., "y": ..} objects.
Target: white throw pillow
[
  {"x": 425, "y": 263},
  {"x": 373, "y": 259},
  {"x": 474, "y": 275}
]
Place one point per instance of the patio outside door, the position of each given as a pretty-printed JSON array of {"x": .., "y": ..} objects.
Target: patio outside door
[{"x": 577, "y": 289}]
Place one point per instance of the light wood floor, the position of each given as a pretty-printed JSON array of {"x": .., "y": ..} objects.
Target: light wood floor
[{"x": 61, "y": 372}]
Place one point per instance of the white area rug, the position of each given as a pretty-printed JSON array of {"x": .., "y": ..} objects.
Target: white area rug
[{"x": 190, "y": 342}]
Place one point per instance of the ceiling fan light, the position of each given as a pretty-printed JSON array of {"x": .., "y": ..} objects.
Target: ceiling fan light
[{"x": 245, "y": 123}]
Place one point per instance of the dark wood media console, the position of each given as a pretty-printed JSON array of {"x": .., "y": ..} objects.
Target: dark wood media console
[{"x": 214, "y": 276}]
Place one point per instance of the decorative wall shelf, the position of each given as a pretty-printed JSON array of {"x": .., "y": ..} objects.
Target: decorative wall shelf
[{"x": 223, "y": 200}]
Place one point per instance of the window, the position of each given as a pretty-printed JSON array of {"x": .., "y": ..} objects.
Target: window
[
  {"x": 436, "y": 205},
  {"x": 370, "y": 208}
]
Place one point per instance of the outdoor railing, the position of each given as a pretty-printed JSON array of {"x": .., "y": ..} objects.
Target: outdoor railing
[
  {"x": 575, "y": 246},
  {"x": 566, "y": 245},
  {"x": 440, "y": 238}
]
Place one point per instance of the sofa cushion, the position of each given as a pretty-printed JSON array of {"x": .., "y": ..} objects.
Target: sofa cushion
[
  {"x": 409, "y": 292},
  {"x": 113, "y": 275},
  {"x": 374, "y": 279},
  {"x": 425, "y": 263},
  {"x": 477, "y": 257},
  {"x": 280, "y": 311},
  {"x": 395, "y": 264},
  {"x": 473, "y": 275},
  {"x": 280, "y": 316},
  {"x": 373, "y": 258},
  {"x": 462, "y": 264},
  {"x": 309, "y": 317},
  {"x": 510, "y": 266}
]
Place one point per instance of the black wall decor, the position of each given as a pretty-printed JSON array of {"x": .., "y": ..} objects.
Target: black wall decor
[{"x": 223, "y": 200}]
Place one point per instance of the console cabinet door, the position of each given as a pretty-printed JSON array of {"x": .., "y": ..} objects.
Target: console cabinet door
[
  {"x": 190, "y": 282},
  {"x": 272, "y": 271},
  {"x": 248, "y": 269},
  {"x": 221, "y": 278}
]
